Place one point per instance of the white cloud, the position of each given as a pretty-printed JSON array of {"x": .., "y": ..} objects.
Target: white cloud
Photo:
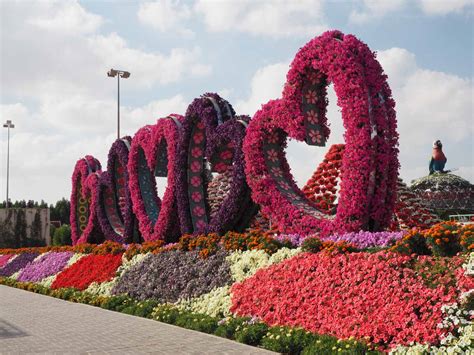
[
  {"x": 166, "y": 16},
  {"x": 375, "y": 9},
  {"x": 430, "y": 105},
  {"x": 266, "y": 18},
  {"x": 75, "y": 63},
  {"x": 66, "y": 17},
  {"x": 267, "y": 83},
  {"x": 442, "y": 7}
]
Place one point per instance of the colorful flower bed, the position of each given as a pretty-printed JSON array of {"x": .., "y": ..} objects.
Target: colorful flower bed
[
  {"x": 47, "y": 265},
  {"x": 91, "y": 268},
  {"x": 346, "y": 295},
  {"x": 18, "y": 263},
  {"x": 4, "y": 259},
  {"x": 384, "y": 300}
]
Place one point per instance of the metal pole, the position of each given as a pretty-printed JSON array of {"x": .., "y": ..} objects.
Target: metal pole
[
  {"x": 8, "y": 162},
  {"x": 118, "y": 105}
]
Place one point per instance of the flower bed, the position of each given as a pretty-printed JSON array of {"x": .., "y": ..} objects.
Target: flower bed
[
  {"x": 174, "y": 275},
  {"x": 91, "y": 268},
  {"x": 49, "y": 264},
  {"x": 347, "y": 295},
  {"x": 18, "y": 263},
  {"x": 4, "y": 259}
]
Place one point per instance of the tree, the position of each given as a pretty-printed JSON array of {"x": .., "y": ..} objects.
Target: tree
[
  {"x": 62, "y": 235},
  {"x": 61, "y": 211},
  {"x": 20, "y": 229},
  {"x": 36, "y": 227}
]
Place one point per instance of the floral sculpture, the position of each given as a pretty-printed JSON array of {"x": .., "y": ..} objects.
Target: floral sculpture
[
  {"x": 321, "y": 189},
  {"x": 84, "y": 199},
  {"x": 370, "y": 165},
  {"x": 114, "y": 210},
  {"x": 153, "y": 152},
  {"x": 211, "y": 141}
]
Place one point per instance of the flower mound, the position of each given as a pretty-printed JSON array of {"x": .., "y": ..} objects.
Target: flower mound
[
  {"x": 17, "y": 264},
  {"x": 360, "y": 294},
  {"x": 174, "y": 275},
  {"x": 48, "y": 265},
  {"x": 91, "y": 268}
]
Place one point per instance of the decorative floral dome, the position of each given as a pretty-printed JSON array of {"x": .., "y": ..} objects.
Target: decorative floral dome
[{"x": 446, "y": 193}]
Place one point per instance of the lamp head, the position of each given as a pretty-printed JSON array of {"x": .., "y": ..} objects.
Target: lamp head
[
  {"x": 112, "y": 73},
  {"x": 125, "y": 74}
]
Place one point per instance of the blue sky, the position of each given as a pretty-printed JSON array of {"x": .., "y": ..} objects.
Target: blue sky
[{"x": 54, "y": 58}]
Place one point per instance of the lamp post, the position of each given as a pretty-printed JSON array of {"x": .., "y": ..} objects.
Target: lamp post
[
  {"x": 8, "y": 125},
  {"x": 118, "y": 73}
]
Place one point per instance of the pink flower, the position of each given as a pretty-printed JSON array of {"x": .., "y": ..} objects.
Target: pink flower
[
  {"x": 272, "y": 155},
  {"x": 196, "y": 181},
  {"x": 196, "y": 196},
  {"x": 198, "y": 137},
  {"x": 196, "y": 152},
  {"x": 312, "y": 117},
  {"x": 311, "y": 97},
  {"x": 198, "y": 211},
  {"x": 196, "y": 166}
]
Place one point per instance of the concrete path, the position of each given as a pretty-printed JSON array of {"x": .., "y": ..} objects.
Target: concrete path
[{"x": 32, "y": 323}]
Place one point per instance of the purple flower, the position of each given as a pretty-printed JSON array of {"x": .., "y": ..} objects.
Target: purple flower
[
  {"x": 48, "y": 265},
  {"x": 17, "y": 264},
  {"x": 365, "y": 239}
]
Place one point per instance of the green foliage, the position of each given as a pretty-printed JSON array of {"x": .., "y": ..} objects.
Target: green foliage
[
  {"x": 20, "y": 228},
  {"x": 251, "y": 334},
  {"x": 228, "y": 326},
  {"x": 312, "y": 245},
  {"x": 412, "y": 243},
  {"x": 60, "y": 211},
  {"x": 62, "y": 235},
  {"x": 287, "y": 340},
  {"x": 195, "y": 321},
  {"x": 326, "y": 344}
]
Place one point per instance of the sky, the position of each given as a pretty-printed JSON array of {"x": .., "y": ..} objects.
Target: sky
[{"x": 55, "y": 56}]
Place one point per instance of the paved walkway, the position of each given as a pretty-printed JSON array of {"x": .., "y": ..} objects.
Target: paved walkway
[{"x": 32, "y": 323}]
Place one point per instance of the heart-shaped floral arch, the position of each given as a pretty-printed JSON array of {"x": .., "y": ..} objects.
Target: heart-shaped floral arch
[
  {"x": 370, "y": 163},
  {"x": 84, "y": 200},
  {"x": 211, "y": 142},
  {"x": 153, "y": 153},
  {"x": 114, "y": 210}
]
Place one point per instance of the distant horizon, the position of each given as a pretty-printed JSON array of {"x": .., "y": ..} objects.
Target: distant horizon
[{"x": 55, "y": 56}]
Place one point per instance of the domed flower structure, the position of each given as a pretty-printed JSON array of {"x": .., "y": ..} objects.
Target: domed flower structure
[{"x": 445, "y": 193}]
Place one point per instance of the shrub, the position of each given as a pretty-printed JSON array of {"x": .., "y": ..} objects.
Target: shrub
[
  {"x": 413, "y": 242},
  {"x": 287, "y": 340},
  {"x": 330, "y": 345},
  {"x": 250, "y": 333},
  {"x": 466, "y": 238},
  {"x": 443, "y": 238},
  {"x": 62, "y": 235}
]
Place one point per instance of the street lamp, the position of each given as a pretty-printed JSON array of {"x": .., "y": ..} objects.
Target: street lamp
[
  {"x": 8, "y": 125},
  {"x": 118, "y": 73}
]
